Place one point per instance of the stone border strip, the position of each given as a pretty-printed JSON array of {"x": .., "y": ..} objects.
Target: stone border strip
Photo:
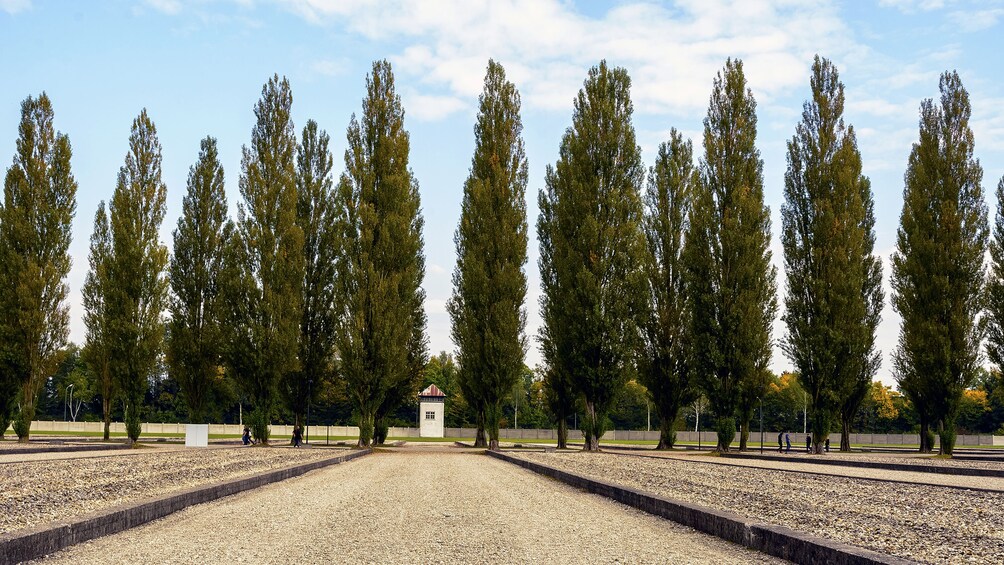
[
  {"x": 63, "y": 449},
  {"x": 939, "y": 470},
  {"x": 778, "y": 541},
  {"x": 43, "y": 540}
]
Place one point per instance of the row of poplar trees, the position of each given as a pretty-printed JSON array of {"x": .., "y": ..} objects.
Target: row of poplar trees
[
  {"x": 309, "y": 268},
  {"x": 316, "y": 280},
  {"x": 676, "y": 285}
]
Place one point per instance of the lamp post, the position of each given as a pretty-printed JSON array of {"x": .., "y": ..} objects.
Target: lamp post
[{"x": 309, "y": 383}]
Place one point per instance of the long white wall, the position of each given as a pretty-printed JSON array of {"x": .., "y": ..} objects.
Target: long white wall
[{"x": 320, "y": 431}]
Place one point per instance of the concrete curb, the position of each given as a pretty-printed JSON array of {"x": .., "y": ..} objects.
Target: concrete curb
[
  {"x": 770, "y": 539},
  {"x": 38, "y": 542},
  {"x": 962, "y": 471}
]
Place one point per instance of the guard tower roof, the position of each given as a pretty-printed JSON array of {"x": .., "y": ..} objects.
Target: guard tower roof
[{"x": 432, "y": 390}]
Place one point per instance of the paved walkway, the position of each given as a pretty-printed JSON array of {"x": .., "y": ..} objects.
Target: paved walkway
[
  {"x": 420, "y": 505},
  {"x": 960, "y": 481}
]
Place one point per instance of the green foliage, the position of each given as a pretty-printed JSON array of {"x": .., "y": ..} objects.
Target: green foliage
[
  {"x": 38, "y": 207},
  {"x": 730, "y": 282},
  {"x": 834, "y": 295},
  {"x": 995, "y": 286},
  {"x": 317, "y": 216},
  {"x": 592, "y": 280},
  {"x": 137, "y": 287},
  {"x": 489, "y": 285},
  {"x": 97, "y": 314},
  {"x": 194, "y": 333},
  {"x": 381, "y": 336},
  {"x": 663, "y": 366},
  {"x": 938, "y": 264},
  {"x": 264, "y": 261}
]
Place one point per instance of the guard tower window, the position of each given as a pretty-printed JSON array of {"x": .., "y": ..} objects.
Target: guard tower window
[{"x": 430, "y": 415}]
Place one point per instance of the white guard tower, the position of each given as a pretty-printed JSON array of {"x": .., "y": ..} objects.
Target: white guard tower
[{"x": 431, "y": 412}]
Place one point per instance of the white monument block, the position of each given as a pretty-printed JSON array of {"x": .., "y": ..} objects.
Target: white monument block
[{"x": 196, "y": 435}]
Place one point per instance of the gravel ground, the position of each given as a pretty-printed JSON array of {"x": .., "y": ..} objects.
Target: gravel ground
[
  {"x": 412, "y": 506},
  {"x": 898, "y": 458},
  {"x": 44, "y": 490},
  {"x": 802, "y": 466},
  {"x": 924, "y": 523}
]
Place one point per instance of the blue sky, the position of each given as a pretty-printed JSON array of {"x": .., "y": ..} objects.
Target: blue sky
[{"x": 198, "y": 68}]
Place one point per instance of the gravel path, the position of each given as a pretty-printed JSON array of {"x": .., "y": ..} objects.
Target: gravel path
[
  {"x": 918, "y": 477},
  {"x": 50, "y": 488},
  {"x": 924, "y": 523},
  {"x": 412, "y": 506}
]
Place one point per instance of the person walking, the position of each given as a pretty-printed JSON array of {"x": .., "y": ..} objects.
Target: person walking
[
  {"x": 787, "y": 441},
  {"x": 827, "y": 445},
  {"x": 780, "y": 442},
  {"x": 297, "y": 436},
  {"x": 246, "y": 436},
  {"x": 808, "y": 443}
]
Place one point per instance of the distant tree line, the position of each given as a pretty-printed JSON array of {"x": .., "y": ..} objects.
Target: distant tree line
[{"x": 658, "y": 292}]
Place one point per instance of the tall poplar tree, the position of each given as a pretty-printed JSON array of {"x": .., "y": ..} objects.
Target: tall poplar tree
[
  {"x": 489, "y": 285},
  {"x": 317, "y": 216},
  {"x": 381, "y": 337},
  {"x": 138, "y": 286},
  {"x": 663, "y": 364},
  {"x": 938, "y": 264},
  {"x": 38, "y": 208},
  {"x": 834, "y": 280},
  {"x": 264, "y": 261},
  {"x": 593, "y": 284},
  {"x": 195, "y": 337},
  {"x": 730, "y": 281},
  {"x": 97, "y": 316},
  {"x": 995, "y": 286}
]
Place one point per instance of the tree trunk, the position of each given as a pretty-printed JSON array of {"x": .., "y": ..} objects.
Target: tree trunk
[
  {"x": 726, "y": 428},
  {"x": 946, "y": 433},
  {"x": 845, "y": 433},
  {"x": 492, "y": 415},
  {"x": 366, "y": 423},
  {"x": 667, "y": 435},
  {"x": 744, "y": 434},
  {"x": 106, "y": 412},
  {"x": 591, "y": 428},
  {"x": 562, "y": 434},
  {"x": 817, "y": 443},
  {"x": 925, "y": 440},
  {"x": 479, "y": 438},
  {"x": 380, "y": 429}
]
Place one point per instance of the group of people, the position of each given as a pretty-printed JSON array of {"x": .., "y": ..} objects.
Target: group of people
[
  {"x": 784, "y": 443},
  {"x": 297, "y": 436}
]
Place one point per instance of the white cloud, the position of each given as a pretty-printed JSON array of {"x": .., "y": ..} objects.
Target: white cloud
[
  {"x": 913, "y": 6},
  {"x": 548, "y": 45},
  {"x": 976, "y": 20},
  {"x": 169, "y": 7},
  {"x": 430, "y": 107},
  {"x": 15, "y": 6}
]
